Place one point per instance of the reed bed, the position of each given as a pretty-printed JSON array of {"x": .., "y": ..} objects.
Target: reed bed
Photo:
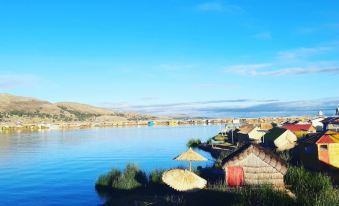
[
  {"x": 193, "y": 143},
  {"x": 311, "y": 189}
]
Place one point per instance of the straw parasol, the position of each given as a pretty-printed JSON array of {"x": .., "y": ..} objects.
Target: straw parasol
[
  {"x": 190, "y": 156},
  {"x": 183, "y": 180}
]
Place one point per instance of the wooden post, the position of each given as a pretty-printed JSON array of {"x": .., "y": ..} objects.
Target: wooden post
[{"x": 232, "y": 137}]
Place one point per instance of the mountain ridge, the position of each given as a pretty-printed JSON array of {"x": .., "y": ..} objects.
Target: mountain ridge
[{"x": 22, "y": 106}]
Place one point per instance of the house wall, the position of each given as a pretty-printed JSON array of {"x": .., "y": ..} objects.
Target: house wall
[{"x": 334, "y": 154}]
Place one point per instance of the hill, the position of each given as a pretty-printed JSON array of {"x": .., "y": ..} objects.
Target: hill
[
  {"x": 84, "y": 108},
  {"x": 18, "y": 107},
  {"x": 11, "y": 104}
]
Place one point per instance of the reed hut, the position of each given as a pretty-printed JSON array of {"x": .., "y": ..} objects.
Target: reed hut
[
  {"x": 252, "y": 164},
  {"x": 250, "y": 133},
  {"x": 280, "y": 139}
]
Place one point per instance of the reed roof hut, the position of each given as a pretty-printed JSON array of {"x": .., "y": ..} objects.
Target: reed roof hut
[
  {"x": 280, "y": 139},
  {"x": 249, "y": 133},
  {"x": 252, "y": 164}
]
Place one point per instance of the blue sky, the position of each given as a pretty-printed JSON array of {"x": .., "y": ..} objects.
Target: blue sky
[{"x": 175, "y": 56}]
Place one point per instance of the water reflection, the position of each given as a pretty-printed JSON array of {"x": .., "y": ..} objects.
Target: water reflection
[{"x": 33, "y": 166}]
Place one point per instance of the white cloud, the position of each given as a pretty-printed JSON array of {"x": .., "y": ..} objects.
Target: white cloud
[
  {"x": 237, "y": 107},
  {"x": 303, "y": 52},
  {"x": 189, "y": 108},
  {"x": 291, "y": 62},
  {"x": 247, "y": 69},
  {"x": 267, "y": 70},
  {"x": 297, "y": 71}
]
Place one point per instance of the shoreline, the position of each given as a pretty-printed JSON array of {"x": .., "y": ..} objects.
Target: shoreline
[
  {"x": 10, "y": 127},
  {"x": 88, "y": 125}
]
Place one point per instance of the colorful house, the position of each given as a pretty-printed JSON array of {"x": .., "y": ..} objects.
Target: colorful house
[
  {"x": 280, "y": 139},
  {"x": 252, "y": 164},
  {"x": 300, "y": 130},
  {"x": 321, "y": 148},
  {"x": 328, "y": 148}
]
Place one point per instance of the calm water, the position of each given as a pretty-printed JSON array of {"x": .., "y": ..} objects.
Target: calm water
[{"x": 61, "y": 167}]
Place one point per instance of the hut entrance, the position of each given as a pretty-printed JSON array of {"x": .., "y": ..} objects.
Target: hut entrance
[
  {"x": 235, "y": 176},
  {"x": 323, "y": 154}
]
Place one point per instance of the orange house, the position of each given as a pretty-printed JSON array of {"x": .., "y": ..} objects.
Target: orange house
[{"x": 328, "y": 148}]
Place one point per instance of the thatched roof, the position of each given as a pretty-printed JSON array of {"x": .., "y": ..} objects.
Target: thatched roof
[
  {"x": 190, "y": 155},
  {"x": 246, "y": 129},
  {"x": 264, "y": 154},
  {"x": 274, "y": 133},
  {"x": 266, "y": 126},
  {"x": 183, "y": 180}
]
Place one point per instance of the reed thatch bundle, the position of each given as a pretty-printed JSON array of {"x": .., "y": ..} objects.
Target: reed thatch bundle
[
  {"x": 190, "y": 156},
  {"x": 183, "y": 180}
]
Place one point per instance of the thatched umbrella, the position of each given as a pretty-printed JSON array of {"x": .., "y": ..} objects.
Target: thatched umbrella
[
  {"x": 183, "y": 180},
  {"x": 190, "y": 156}
]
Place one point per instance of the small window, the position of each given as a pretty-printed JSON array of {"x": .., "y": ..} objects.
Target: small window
[{"x": 323, "y": 147}]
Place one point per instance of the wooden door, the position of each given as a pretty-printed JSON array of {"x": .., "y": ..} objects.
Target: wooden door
[{"x": 323, "y": 153}]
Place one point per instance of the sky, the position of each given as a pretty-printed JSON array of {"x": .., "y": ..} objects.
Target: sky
[{"x": 174, "y": 57}]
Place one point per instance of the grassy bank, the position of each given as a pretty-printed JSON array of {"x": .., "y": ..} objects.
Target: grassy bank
[{"x": 132, "y": 186}]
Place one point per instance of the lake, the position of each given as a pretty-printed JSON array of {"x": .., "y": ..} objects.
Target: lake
[{"x": 61, "y": 167}]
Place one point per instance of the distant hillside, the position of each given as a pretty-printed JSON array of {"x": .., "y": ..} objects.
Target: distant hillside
[
  {"x": 11, "y": 104},
  {"x": 28, "y": 107},
  {"x": 84, "y": 108}
]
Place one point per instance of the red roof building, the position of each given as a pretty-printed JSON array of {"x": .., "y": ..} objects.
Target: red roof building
[
  {"x": 300, "y": 130},
  {"x": 299, "y": 127}
]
